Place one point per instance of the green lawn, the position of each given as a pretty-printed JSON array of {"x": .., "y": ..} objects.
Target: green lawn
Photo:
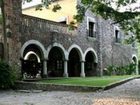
[{"x": 87, "y": 81}]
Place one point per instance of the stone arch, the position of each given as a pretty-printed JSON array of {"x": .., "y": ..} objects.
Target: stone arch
[
  {"x": 31, "y": 52},
  {"x": 91, "y": 61},
  {"x": 94, "y": 53},
  {"x": 35, "y": 42},
  {"x": 134, "y": 57},
  {"x": 56, "y": 65},
  {"x": 32, "y": 56},
  {"x": 75, "y": 57},
  {"x": 55, "y": 62},
  {"x": 59, "y": 46},
  {"x": 78, "y": 49}
]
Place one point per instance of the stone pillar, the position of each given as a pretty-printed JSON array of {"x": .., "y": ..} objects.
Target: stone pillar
[
  {"x": 82, "y": 69},
  {"x": 65, "y": 69},
  {"x": 137, "y": 69},
  {"x": 100, "y": 47},
  {"x": 45, "y": 68}
]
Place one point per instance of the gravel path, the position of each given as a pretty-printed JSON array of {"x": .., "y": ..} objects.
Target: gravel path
[{"x": 126, "y": 94}]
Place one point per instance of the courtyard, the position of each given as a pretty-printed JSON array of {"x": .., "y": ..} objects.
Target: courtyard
[{"x": 125, "y": 94}]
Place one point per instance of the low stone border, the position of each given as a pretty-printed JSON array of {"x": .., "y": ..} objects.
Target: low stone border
[{"x": 53, "y": 87}]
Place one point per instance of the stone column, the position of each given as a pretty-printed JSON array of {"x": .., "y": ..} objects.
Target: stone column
[
  {"x": 82, "y": 69},
  {"x": 65, "y": 74},
  {"x": 45, "y": 68},
  {"x": 137, "y": 69},
  {"x": 100, "y": 47}
]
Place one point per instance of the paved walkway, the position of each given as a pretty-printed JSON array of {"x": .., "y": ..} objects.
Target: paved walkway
[{"x": 126, "y": 94}]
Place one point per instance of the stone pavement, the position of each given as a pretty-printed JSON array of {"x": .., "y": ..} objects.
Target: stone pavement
[{"x": 126, "y": 94}]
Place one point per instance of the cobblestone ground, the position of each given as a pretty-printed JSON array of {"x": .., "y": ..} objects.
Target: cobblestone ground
[{"x": 126, "y": 94}]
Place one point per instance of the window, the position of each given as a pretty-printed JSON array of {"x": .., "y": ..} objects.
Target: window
[
  {"x": 91, "y": 27},
  {"x": 59, "y": 64},
  {"x": 117, "y": 34}
]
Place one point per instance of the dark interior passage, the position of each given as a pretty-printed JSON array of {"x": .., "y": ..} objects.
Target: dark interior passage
[
  {"x": 32, "y": 63},
  {"x": 55, "y": 63},
  {"x": 90, "y": 66},
  {"x": 74, "y": 66}
]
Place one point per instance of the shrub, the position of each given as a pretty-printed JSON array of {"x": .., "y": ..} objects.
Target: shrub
[
  {"x": 121, "y": 70},
  {"x": 7, "y": 77},
  {"x": 139, "y": 66},
  {"x": 131, "y": 69},
  {"x": 0, "y": 19}
]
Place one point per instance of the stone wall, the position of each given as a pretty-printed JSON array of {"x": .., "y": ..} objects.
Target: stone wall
[
  {"x": 48, "y": 32},
  {"x": 109, "y": 52}
]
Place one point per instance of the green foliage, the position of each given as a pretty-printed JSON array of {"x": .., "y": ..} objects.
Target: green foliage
[
  {"x": 7, "y": 76},
  {"x": 129, "y": 40},
  {"x": 86, "y": 2},
  {"x": 71, "y": 25},
  {"x": 139, "y": 66},
  {"x": 122, "y": 70},
  {"x": 56, "y": 8},
  {"x": 80, "y": 13},
  {"x": 1, "y": 19}
]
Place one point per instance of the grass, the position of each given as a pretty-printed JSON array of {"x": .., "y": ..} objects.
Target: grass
[{"x": 87, "y": 81}]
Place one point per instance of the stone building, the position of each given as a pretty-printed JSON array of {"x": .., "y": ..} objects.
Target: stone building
[{"x": 42, "y": 46}]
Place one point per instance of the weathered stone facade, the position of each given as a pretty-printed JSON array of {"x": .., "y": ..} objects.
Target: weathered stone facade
[{"x": 30, "y": 34}]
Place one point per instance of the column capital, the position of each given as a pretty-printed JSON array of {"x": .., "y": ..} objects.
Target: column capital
[
  {"x": 65, "y": 59},
  {"x": 44, "y": 59},
  {"x": 82, "y": 61}
]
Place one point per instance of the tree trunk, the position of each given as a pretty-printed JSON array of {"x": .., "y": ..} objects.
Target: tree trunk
[{"x": 4, "y": 31}]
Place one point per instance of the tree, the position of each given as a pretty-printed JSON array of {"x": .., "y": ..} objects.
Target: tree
[{"x": 4, "y": 29}]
